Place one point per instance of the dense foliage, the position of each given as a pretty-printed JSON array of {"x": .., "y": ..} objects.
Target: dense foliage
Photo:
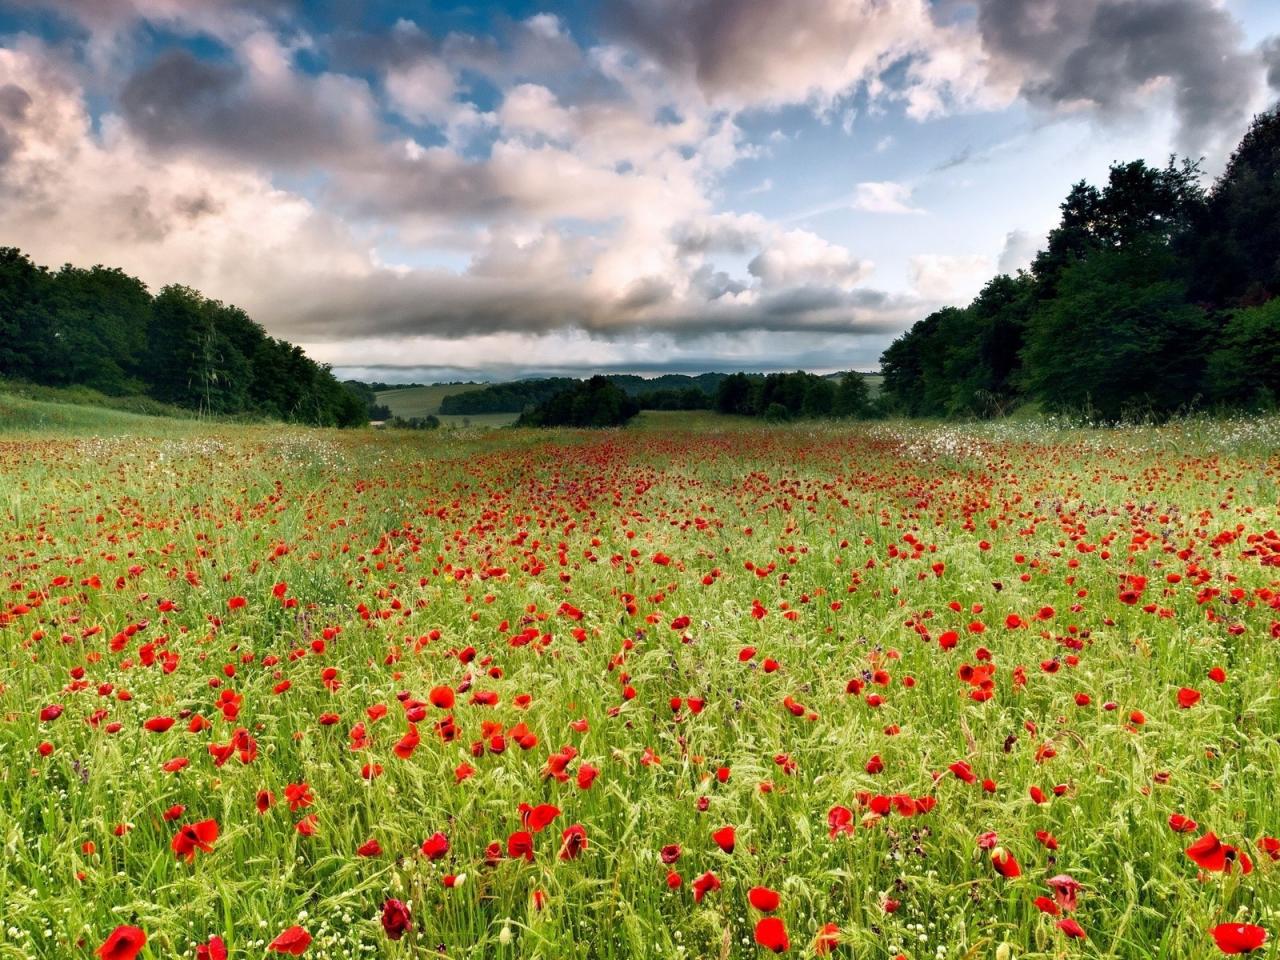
[
  {"x": 100, "y": 328},
  {"x": 787, "y": 396},
  {"x": 597, "y": 402},
  {"x": 671, "y": 391},
  {"x": 1150, "y": 296}
]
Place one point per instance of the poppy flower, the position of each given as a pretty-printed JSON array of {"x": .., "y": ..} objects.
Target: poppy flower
[
  {"x": 441, "y": 697},
  {"x": 586, "y": 776},
  {"x": 215, "y": 949},
  {"x": 520, "y": 844},
  {"x": 1047, "y": 905},
  {"x": 435, "y": 846},
  {"x": 298, "y": 795},
  {"x": 1072, "y": 929},
  {"x": 704, "y": 885},
  {"x": 763, "y": 899},
  {"x": 193, "y": 837},
  {"x": 538, "y": 818},
  {"x": 725, "y": 838},
  {"x": 828, "y": 939},
  {"x": 293, "y": 941},
  {"x": 1180, "y": 824},
  {"x": 1238, "y": 937},
  {"x": 572, "y": 842},
  {"x": 1065, "y": 889},
  {"x": 370, "y": 848},
  {"x": 670, "y": 853},
  {"x": 125, "y": 943},
  {"x": 1212, "y": 854},
  {"x": 771, "y": 933},
  {"x": 1005, "y": 863},
  {"x": 839, "y": 820},
  {"x": 395, "y": 919},
  {"x": 1188, "y": 698}
]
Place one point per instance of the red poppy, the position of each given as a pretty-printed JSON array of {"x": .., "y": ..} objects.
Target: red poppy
[
  {"x": 441, "y": 697},
  {"x": 298, "y": 795},
  {"x": 704, "y": 885},
  {"x": 1188, "y": 698},
  {"x": 193, "y": 837},
  {"x": 1238, "y": 937},
  {"x": 828, "y": 939},
  {"x": 839, "y": 820},
  {"x": 520, "y": 844},
  {"x": 538, "y": 818},
  {"x": 124, "y": 943},
  {"x": 572, "y": 842},
  {"x": 725, "y": 838},
  {"x": 763, "y": 899},
  {"x": 1005, "y": 863},
  {"x": 395, "y": 919},
  {"x": 771, "y": 933},
  {"x": 293, "y": 941},
  {"x": 435, "y": 846},
  {"x": 1065, "y": 889},
  {"x": 215, "y": 949},
  {"x": 1072, "y": 929}
]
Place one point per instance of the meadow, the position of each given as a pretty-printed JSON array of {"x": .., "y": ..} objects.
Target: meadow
[
  {"x": 425, "y": 401},
  {"x": 697, "y": 688}
]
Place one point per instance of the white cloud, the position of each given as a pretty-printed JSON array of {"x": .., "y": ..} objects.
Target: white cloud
[
  {"x": 955, "y": 279},
  {"x": 798, "y": 257},
  {"x": 884, "y": 196}
]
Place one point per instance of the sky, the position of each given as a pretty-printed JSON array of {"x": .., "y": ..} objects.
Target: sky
[{"x": 419, "y": 191}]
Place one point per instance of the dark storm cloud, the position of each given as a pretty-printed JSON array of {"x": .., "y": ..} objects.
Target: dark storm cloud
[
  {"x": 1104, "y": 52},
  {"x": 14, "y": 104},
  {"x": 1271, "y": 56},
  {"x": 390, "y": 305},
  {"x": 200, "y": 14},
  {"x": 182, "y": 102}
]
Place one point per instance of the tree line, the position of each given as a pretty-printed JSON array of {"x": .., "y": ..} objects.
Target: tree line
[
  {"x": 1152, "y": 295},
  {"x": 788, "y": 396},
  {"x": 672, "y": 391},
  {"x": 101, "y": 328}
]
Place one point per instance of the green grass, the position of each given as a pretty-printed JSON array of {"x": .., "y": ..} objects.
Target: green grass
[
  {"x": 841, "y": 554},
  {"x": 425, "y": 400}
]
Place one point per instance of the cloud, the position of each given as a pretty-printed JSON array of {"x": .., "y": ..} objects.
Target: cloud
[
  {"x": 798, "y": 257},
  {"x": 1020, "y": 248},
  {"x": 205, "y": 214},
  {"x": 740, "y": 53},
  {"x": 948, "y": 278},
  {"x": 884, "y": 197},
  {"x": 256, "y": 108},
  {"x": 1271, "y": 57},
  {"x": 1112, "y": 55}
]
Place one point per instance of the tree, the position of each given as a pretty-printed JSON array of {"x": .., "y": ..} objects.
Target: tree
[
  {"x": 1244, "y": 369},
  {"x": 1236, "y": 247},
  {"x": 733, "y": 396},
  {"x": 25, "y": 320},
  {"x": 852, "y": 398},
  {"x": 1119, "y": 336},
  {"x": 593, "y": 403}
]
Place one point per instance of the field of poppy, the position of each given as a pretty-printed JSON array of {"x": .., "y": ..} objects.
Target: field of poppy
[{"x": 693, "y": 689}]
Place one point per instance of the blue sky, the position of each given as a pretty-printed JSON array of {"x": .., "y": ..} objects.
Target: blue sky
[{"x": 417, "y": 190}]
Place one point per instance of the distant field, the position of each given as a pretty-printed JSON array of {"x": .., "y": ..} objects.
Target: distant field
[
  {"x": 425, "y": 401},
  {"x": 488, "y": 420}
]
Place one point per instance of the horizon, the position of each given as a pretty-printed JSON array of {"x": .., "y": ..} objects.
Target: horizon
[{"x": 501, "y": 191}]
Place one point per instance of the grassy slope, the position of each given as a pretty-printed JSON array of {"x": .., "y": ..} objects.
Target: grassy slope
[{"x": 425, "y": 401}]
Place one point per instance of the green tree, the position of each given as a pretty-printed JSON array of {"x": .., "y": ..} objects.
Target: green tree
[
  {"x": 1119, "y": 336},
  {"x": 852, "y": 398},
  {"x": 1244, "y": 368}
]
